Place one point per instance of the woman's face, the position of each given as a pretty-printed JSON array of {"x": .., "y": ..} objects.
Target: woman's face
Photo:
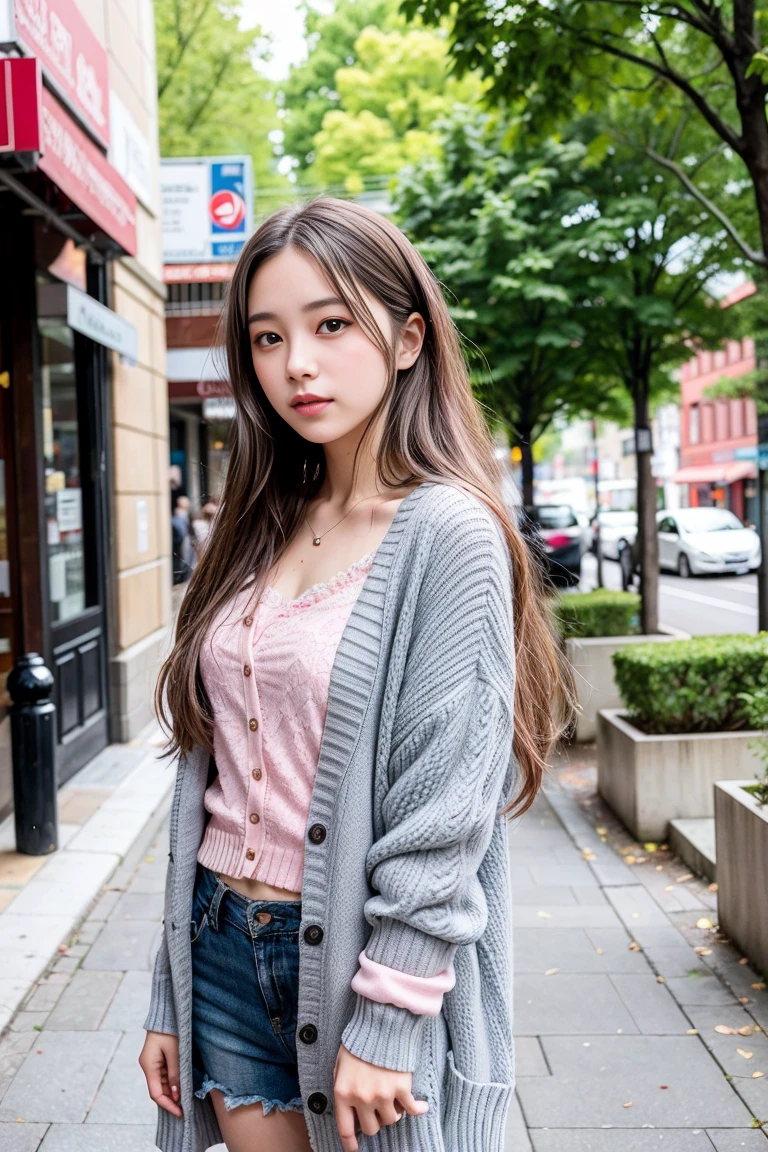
[{"x": 306, "y": 342}]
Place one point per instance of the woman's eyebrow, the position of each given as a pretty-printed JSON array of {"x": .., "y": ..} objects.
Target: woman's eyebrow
[{"x": 311, "y": 307}]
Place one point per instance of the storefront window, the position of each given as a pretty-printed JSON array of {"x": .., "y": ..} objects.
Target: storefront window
[{"x": 62, "y": 456}]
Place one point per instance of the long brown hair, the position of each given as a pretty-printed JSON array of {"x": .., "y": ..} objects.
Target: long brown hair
[{"x": 433, "y": 430}]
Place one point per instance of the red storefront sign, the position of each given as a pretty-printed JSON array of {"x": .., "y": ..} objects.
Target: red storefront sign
[
  {"x": 74, "y": 60},
  {"x": 20, "y": 98},
  {"x": 85, "y": 175}
]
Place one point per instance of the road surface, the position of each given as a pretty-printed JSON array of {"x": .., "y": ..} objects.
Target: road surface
[{"x": 701, "y": 605}]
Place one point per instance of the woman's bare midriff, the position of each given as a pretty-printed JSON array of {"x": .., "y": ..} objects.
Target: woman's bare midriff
[{"x": 256, "y": 890}]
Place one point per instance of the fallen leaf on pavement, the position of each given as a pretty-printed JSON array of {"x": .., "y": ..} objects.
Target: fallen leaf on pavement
[
  {"x": 692, "y": 1032},
  {"x": 599, "y": 951},
  {"x": 630, "y": 859},
  {"x": 704, "y": 922},
  {"x": 545, "y": 915},
  {"x": 659, "y": 979},
  {"x": 712, "y": 887},
  {"x": 743, "y": 999},
  {"x": 551, "y": 971},
  {"x": 650, "y": 846},
  {"x": 668, "y": 888},
  {"x": 744, "y": 960},
  {"x": 634, "y": 946},
  {"x": 659, "y": 867},
  {"x": 685, "y": 876},
  {"x": 757, "y": 1075},
  {"x": 758, "y": 987},
  {"x": 587, "y": 854},
  {"x": 63, "y": 948},
  {"x": 702, "y": 951},
  {"x": 628, "y": 1104},
  {"x": 743, "y": 1052},
  {"x": 601, "y": 831},
  {"x": 725, "y": 1030}
]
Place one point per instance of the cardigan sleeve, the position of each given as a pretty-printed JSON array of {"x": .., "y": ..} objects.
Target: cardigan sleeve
[
  {"x": 161, "y": 1016},
  {"x": 448, "y": 770}
]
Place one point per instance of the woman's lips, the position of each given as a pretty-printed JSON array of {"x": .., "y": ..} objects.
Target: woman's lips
[{"x": 311, "y": 407}]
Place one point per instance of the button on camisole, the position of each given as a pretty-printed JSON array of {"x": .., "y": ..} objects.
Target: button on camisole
[{"x": 266, "y": 669}]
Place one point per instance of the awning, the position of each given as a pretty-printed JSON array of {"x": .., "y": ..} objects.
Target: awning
[{"x": 716, "y": 473}]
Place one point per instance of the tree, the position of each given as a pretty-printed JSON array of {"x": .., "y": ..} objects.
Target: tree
[
  {"x": 575, "y": 272},
  {"x": 488, "y": 222},
  {"x": 212, "y": 101},
  {"x": 708, "y": 56},
  {"x": 310, "y": 90}
]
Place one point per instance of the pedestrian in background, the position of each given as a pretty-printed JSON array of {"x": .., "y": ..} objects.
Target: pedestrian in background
[
  {"x": 183, "y": 552},
  {"x": 363, "y": 688},
  {"x": 201, "y": 526}
]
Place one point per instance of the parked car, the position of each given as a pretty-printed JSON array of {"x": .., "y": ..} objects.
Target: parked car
[
  {"x": 562, "y": 540},
  {"x": 617, "y": 529},
  {"x": 698, "y": 541}
]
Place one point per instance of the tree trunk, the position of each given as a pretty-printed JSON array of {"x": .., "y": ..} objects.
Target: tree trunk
[
  {"x": 648, "y": 550},
  {"x": 527, "y": 467}
]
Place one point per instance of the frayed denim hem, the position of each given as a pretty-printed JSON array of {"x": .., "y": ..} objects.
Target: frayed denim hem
[{"x": 230, "y": 1101}]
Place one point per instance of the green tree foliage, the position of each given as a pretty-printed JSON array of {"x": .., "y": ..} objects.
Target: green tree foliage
[
  {"x": 212, "y": 101},
  {"x": 708, "y": 57},
  {"x": 310, "y": 90},
  {"x": 371, "y": 105}
]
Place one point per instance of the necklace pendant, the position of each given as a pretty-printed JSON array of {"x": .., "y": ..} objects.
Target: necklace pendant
[{"x": 316, "y": 540}]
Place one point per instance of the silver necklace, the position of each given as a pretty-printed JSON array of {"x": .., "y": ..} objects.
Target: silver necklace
[{"x": 316, "y": 539}]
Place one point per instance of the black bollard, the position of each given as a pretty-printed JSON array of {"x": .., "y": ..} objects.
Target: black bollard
[{"x": 33, "y": 749}]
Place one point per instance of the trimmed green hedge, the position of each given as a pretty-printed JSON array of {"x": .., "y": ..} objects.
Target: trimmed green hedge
[
  {"x": 692, "y": 685},
  {"x": 598, "y": 613}
]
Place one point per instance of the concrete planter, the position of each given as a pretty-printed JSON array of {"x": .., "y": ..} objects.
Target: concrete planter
[
  {"x": 741, "y": 829},
  {"x": 592, "y": 661},
  {"x": 650, "y": 780}
]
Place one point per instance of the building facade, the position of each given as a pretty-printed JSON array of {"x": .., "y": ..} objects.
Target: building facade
[
  {"x": 718, "y": 452},
  {"x": 85, "y": 533}
]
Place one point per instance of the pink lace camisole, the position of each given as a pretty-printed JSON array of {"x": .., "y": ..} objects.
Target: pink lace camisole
[{"x": 266, "y": 668}]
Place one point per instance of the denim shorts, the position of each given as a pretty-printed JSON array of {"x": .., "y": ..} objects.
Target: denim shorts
[{"x": 245, "y": 985}]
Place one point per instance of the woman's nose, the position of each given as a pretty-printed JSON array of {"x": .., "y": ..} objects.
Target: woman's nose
[{"x": 301, "y": 364}]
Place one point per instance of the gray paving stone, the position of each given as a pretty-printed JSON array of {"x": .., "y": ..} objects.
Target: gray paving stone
[
  {"x": 84, "y": 1002},
  {"x": 594, "y": 916},
  {"x": 138, "y": 906},
  {"x": 655, "y": 935},
  {"x": 677, "y": 961},
  {"x": 100, "y": 1138},
  {"x": 14, "y": 1047},
  {"x": 123, "y": 946},
  {"x": 122, "y": 1096},
  {"x": 574, "y": 873},
  {"x": 621, "y": 1140},
  {"x": 651, "y": 1005},
  {"x": 636, "y": 907},
  {"x": 573, "y": 950},
  {"x": 612, "y": 874},
  {"x": 529, "y": 1058},
  {"x": 129, "y": 1007},
  {"x": 104, "y": 905},
  {"x": 725, "y": 1051},
  {"x": 590, "y": 1084},
  {"x": 725, "y": 1141},
  {"x": 516, "y": 1137},
  {"x": 589, "y": 895},
  {"x": 539, "y": 895},
  {"x": 44, "y": 997},
  {"x": 150, "y": 878},
  {"x": 697, "y": 989},
  {"x": 528, "y": 856},
  {"x": 21, "y": 1137},
  {"x": 59, "y": 1077},
  {"x": 561, "y": 1005}
]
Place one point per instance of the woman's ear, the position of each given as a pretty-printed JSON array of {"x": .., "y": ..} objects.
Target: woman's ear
[{"x": 411, "y": 340}]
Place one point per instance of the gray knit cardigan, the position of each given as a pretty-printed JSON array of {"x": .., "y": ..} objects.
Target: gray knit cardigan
[{"x": 408, "y": 853}]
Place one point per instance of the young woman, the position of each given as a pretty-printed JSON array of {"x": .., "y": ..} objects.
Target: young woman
[{"x": 363, "y": 624}]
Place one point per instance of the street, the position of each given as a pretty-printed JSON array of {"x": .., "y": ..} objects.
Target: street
[{"x": 700, "y": 605}]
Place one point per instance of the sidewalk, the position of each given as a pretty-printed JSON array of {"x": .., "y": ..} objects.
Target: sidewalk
[
  {"x": 102, "y": 811},
  {"x": 615, "y": 1011}
]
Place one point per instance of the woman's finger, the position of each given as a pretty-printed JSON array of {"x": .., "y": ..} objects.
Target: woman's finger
[
  {"x": 366, "y": 1114},
  {"x": 413, "y": 1106},
  {"x": 171, "y": 1055},
  {"x": 159, "y": 1088},
  {"x": 345, "y": 1124}
]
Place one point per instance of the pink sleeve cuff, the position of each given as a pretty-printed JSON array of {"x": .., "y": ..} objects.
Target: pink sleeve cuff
[{"x": 422, "y": 995}]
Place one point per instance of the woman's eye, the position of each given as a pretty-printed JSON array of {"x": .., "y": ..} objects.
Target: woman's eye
[
  {"x": 267, "y": 339},
  {"x": 333, "y": 326}
]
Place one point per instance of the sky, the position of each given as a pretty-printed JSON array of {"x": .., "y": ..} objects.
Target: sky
[{"x": 285, "y": 21}]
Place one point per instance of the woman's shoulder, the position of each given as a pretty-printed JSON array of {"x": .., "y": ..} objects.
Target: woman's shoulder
[{"x": 460, "y": 523}]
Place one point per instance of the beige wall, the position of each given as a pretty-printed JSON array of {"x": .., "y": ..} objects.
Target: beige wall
[{"x": 141, "y": 572}]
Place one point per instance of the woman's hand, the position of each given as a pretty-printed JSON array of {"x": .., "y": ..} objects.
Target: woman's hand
[
  {"x": 159, "y": 1061},
  {"x": 379, "y": 1096}
]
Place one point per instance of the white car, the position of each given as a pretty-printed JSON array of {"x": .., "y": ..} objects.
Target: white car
[
  {"x": 615, "y": 526},
  {"x": 697, "y": 541}
]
